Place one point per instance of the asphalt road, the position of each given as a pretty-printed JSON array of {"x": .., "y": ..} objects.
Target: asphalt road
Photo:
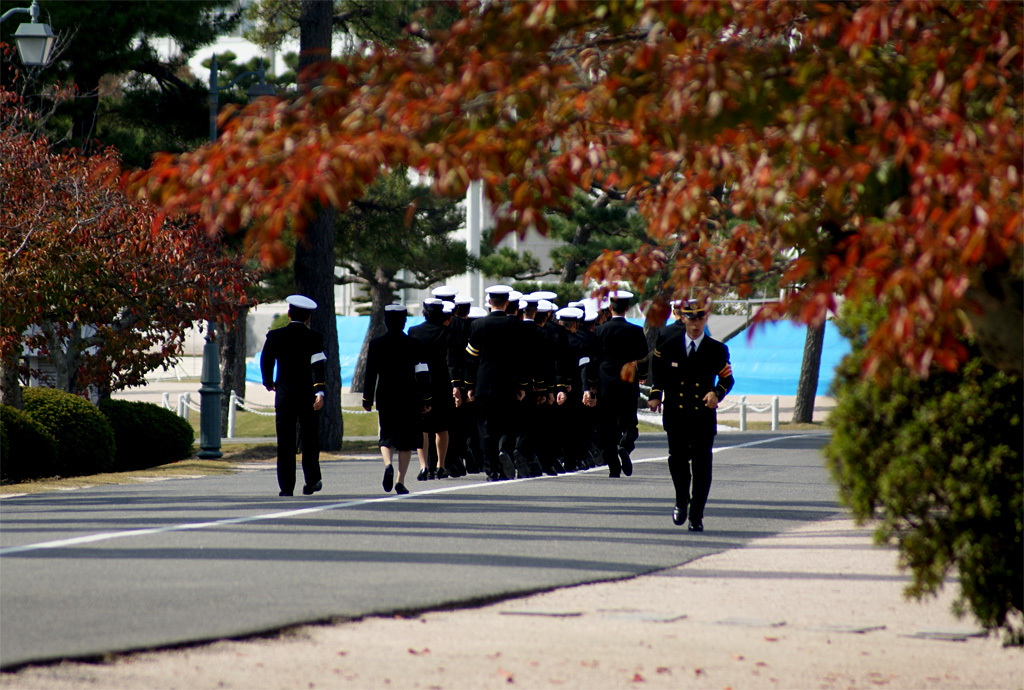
[{"x": 118, "y": 568}]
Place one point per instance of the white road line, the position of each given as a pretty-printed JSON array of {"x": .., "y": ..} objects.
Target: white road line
[{"x": 280, "y": 515}]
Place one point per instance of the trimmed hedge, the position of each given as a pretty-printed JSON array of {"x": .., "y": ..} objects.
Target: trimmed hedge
[
  {"x": 147, "y": 435},
  {"x": 27, "y": 451},
  {"x": 83, "y": 436}
]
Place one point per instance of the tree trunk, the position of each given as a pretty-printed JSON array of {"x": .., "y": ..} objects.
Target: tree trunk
[
  {"x": 380, "y": 296},
  {"x": 314, "y": 277},
  {"x": 10, "y": 386},
  {"x": 314, "y": 253},
  {"x": 803, "y": 413},
  {"x": 231, "y": 341},
  {"x": 64, "y": 355},
  {"x": 571, "y": 269},
  {"x": 315, "y": 28}
]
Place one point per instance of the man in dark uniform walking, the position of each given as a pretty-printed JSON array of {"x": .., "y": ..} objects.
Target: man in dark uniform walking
[
  {"x": 691, "y": 376},
  {"x": 435, "y": 337},
  {"x": 299, "y": 393},
  {"x": 493, "y": 381},
  {"x": 621, "y": 363}
]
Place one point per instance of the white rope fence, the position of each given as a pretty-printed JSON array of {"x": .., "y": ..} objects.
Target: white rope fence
[
  {"x": 235, "y": 403},
  {"x": 742, "y": 404}
]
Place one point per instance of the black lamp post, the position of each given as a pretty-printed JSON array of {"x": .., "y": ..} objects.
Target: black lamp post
[
  {"x": 35, "y": 40},
  {"x": 210, "y": 392}
]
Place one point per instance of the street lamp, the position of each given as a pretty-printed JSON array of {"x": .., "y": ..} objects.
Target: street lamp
[
  {"x": 35, "y": 41},
  {"x": 210, "y": 391}
]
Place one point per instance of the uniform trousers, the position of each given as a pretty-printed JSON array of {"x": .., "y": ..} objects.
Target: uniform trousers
[
  {"x": 288, "y": 436},
  {"x": 574, "y": 438},
  {"x": 497, "y": 431},
  {"x": 687, "y": 450},
  {"x": 616, "y": 411}
]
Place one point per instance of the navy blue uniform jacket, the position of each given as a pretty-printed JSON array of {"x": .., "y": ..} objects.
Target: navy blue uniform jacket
[{"x": 299, "y": 354}]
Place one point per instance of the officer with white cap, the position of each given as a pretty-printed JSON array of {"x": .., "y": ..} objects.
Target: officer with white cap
[
  {"x": 538, "y": 374},
  {"x": 298, "y": 386},
  {"x": 460, "y": 457},
  {"x": 494, "y": 381},
  {"x": 435, "y": 337},
  {"x": 573, "y": 437},
  {"x": 621, "y": 363}
]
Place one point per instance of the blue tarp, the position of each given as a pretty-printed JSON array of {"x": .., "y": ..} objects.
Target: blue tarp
[
  {"x": 351, "y": 332},
  {"x": 765, "y": 361}
]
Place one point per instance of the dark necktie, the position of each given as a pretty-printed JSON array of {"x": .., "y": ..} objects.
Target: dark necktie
[{"x": 693, "y": 348}]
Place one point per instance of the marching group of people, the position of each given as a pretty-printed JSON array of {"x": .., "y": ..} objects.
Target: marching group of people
[{"x": 521, "y": 390}]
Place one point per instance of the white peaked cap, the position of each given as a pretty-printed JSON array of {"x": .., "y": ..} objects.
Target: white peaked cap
[
  {"x": 463, "y": 300},
  {"x": 300, "y": 301},
  {"x": 444, "y": 292},
  {"x": 571, "y": 313},
  {"x": 477, "y": 312},
  {"x": 448, "y": 307},
  {"x": 396, "y": 307},
  {"x": 545, "y": 305},
  {"x": 499, "y": 290}
]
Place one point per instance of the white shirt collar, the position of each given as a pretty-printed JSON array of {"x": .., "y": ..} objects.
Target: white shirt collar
[{"x": 696, "y": 342}]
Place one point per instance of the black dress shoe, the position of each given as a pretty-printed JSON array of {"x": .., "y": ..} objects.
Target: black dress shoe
[
  {"x": 678, "y": 516},
  {"x": 311, "y": 489},
  {"x": 389, "y": 478},
  {"x": 697, "y": 526},
  {"x": 286, "y": 493},
  {"x": 614, "y": 475},
  {"x": 400, "y": 488},
  {"x": 423, "y": 475},
  {"x": 507, "y": 466},
  {"x": 442, "y": 473},
  {"x": 521, "y": 463},
  {"x": 627, "y": 464}
]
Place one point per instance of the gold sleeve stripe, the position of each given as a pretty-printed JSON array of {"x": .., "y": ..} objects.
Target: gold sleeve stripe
[
  {"x": 727, "y": 371},
  {"x": 472, "y": 350}
]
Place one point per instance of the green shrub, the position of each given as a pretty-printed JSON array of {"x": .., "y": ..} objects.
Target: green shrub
[
  {"x": 146, "y": 435},
  {"x": 84, "y": 439},
  {"x": 938, "y": 463},
  {"x": 28, "y": 451}
]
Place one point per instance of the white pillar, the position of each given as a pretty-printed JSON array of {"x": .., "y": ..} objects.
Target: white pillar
[
  {"x": 232, "y": 402},
  {"x": 775, "y": 413},
  {"x": 743, "y": 413}
]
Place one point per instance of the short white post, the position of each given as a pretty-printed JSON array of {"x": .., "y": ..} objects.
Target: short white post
[
  {"x": 187, "y": 409},
  {"x": 165, "y": 400},
  {"x": 743, "y": 413},
  {"x": 181, "y": 406},
  {"x": 775, "y": 413},
  {"x": 232, "y": 402}
]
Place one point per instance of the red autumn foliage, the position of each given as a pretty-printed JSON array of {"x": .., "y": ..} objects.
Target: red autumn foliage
[
  {"x": 872, "y": 150},
  {"x": 84, "y": 277}
]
